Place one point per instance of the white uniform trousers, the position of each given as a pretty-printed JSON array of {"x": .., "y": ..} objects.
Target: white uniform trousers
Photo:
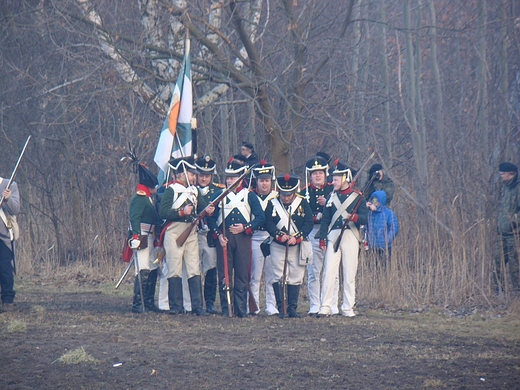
[
  {"x": 347, "y": 255},
  {"x": 176, "y": 256},
  {"x": 258, "y": 264},
  {"x": 314, "y": 276},
  {"x": 145, "y": 257},
  {"x": 295, "y": 271}
]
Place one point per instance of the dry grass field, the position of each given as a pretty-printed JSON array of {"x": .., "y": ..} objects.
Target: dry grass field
[{"x": 79, "y": 333}]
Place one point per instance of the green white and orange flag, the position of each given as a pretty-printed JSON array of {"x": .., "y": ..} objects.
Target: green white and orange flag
[{"x": 176, "y": 139}]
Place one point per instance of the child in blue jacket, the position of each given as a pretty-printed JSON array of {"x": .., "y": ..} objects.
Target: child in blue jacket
[{"x": 382, "y": 228}]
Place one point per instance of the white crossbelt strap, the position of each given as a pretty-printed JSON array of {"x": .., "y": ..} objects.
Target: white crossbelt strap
[
  {"x": 265, "y": 202},
  {"x": 237, "y": 201},
  {"x": 284, "y": 214},
  {"x": 341, "y": 208},
  {"x": 182, "y": 194}
]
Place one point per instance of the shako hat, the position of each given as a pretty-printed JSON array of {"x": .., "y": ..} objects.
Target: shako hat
[
  {"x": 507, "y": 167},
  {"x": 316, "y": 163},
  {"x": 287, "y": 183},
  {"x": 234, "y": 167},
  {"x": 325, "y": 156},
  {"x": 340, "y": 169},
  {"x": 182, "y": 164},
  {"x": 264, "y": 170},
  {"x": 205, "y": 165},
  {"x": 146, "y": 177}
]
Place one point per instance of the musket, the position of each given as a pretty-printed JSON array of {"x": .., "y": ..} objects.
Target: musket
[
  {"x": 13, "y": 174},
  {"x": 130, "y": 264},
  {"x": 358, "y": 203},
  {"x": 283, "y": 284},
  {"x": 227, "y": 287},
  {"x": 186, "y": 233},
  {"x": 15, "y": 169}
]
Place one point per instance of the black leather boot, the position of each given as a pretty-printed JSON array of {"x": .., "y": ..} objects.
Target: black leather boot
[
  {"x": 137, "y": 306},
  {"x": 240, "y": 303},
  {"x": 195, "y": 285},
  {"x": 149, "y": 293},
  {"x": 175, "y": 295},
  {"x": 223, "y": 299},
  {"x": 210, "y": 290},
  {"x": 278, "y": 297},
  {"x": 293, "y": 292}
]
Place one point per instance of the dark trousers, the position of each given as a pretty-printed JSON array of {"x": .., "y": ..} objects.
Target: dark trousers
[
  {"x": 382, "y": 257},
  {"x": 239, "y": 257},
  {"x": 6, "y": 274},
  {"x": 510, "y": 253}
]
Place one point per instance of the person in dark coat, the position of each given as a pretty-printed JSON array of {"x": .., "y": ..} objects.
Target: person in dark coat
[
  {"x": 381, "y": 182},
  {"x": 508, "y": 226}
]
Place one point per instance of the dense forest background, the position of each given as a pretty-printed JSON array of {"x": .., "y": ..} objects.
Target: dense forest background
[{"x": 432, "y": 86}]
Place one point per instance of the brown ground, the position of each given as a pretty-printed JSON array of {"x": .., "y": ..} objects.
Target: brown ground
[{"x": 376, "y": 350}]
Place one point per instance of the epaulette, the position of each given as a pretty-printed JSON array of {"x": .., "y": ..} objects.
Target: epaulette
[
  {"x": 218, "y": 185},
  {"x": 358, "y": 192},
  {"x": 140, "y": 192},
  {"x": 300, "y": 195}
]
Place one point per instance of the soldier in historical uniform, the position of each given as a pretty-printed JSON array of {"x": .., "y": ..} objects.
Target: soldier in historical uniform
[
  {"x": 207, "y": 245},
  {"x": 242, "y": 216},
  {"x": 263, "y": 173},
  {"x": 316, "y": 193},
  {"x": 340, "y": 211},
  {"x": 178, "y": 207},
  {"x": 143, "y": 221},
  {"x": 10, "y": 207},
  {"x": 289, "y": 221}
]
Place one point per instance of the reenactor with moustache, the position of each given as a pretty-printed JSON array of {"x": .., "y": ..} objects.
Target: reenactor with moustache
[
  {"x": 143, "y": 224},
  {"x": 340, "y": 215},
  {"x": 316, "y": 193},
  {"x": 289, "y": 220},
  {"x": 207, "y": 246},
  {"x": 263, "y": 174},
  {"x": 178, "y": 208},
  {"x": 242, "y": 214}
]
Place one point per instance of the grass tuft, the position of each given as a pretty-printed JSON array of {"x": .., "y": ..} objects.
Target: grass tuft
[
  {"x": 17, "y": 326},
  {"x": 77, "y": 356}
]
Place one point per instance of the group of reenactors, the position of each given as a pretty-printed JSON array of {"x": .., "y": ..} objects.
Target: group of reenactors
[{"x": 258, "y": 225}]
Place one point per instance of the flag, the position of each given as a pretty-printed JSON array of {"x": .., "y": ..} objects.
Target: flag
[{"x": 175, "y": 139}]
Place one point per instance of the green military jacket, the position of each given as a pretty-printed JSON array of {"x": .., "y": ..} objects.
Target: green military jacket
[{"x": 142, "y": 211}]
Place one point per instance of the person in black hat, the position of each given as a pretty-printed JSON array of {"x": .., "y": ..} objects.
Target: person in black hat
[
  {"x": 289, "y": 222},
  {"x": 242, "y": 215},
  {"x": 316, "y": 193},
  {"x": 248, "y": 151},
  {"x": 10, "y": 207},
  {"x": 178, "y": 207},
  {"x": 381, "y": 183},
  {"x": 508, "y": 227},
  {"x": 338, "y": 213},
  {"x": 143, "y": 222},
  {"x": 206, "y": 169},
  {"x": 263, "y": 175}
]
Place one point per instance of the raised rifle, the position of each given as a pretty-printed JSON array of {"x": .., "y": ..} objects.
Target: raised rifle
[
  {"x": 9, "y": 183},
  {"x": 358, "y": 202},
  {"x": 15, "y": 169},
  {"x": 227, "y": 286},
  {"x": 186, "y": 233}
]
